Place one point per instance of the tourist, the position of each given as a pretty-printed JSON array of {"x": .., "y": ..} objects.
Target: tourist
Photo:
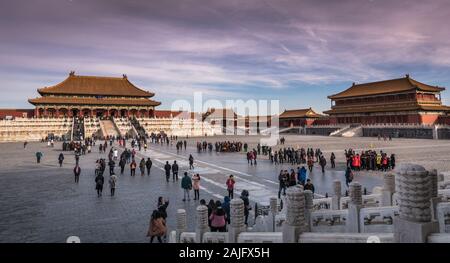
[
  {"x": 301, "y": 175},
  {"x": 148, "y": 164},
  {"x": 191, "y": 161},
  {"x": 196, "y": 186},
  {"x": 99, "y": 180},
  {"x": 247, "y": 208},
  {"x": 282, "y": 180},
  {"x": 348, "y": 176},
  {"x": 392, "y": 161},
  {"x": 167, "y": 169},
  {"x": 77, "y": 157},
  {"x": 310, "y": 163},
  {"x": 186, "y": 184},
  {"x": 113, "y": 183},
  {"x": 162, "y": 206},
  {"x": 218, "y": 220},
  {"x": 133, "y": 166},
  {"x": 322, "y": 162},
  {"x": 142, "y": 166},
  {"x": 175, "y": 171},
  {"x": 292, "y": 178},
  {"x": 226, "y": 208},
  {"x": 111, "y": 165},
  {"x": 309, "y": 186},
  {"x": 60, "y": 159},
  {"x": 39, "y": 156},
  {"x": 25, "y": 144},
  {"x": 122, "y": 163},
  {"x": 211, "y": 207},
  {"x": 77, "y": 172},
  {"x": 230, "y": 186},
  {"x": 332, "y": 160},
  {"x": 157, "y": 227}
]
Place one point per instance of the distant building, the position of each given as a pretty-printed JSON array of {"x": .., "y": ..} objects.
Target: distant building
[
  {"x": 16, "y": 113},
  {"x": 91, "y": 96},
  {"x": 398, "y": 101},
  {"x": 299, "y": 117}
]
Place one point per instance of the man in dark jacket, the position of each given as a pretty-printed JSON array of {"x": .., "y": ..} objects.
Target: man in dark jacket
[
  {"x": 148, "y": 164},
  {"x": 167, "y": 168},
  {"x": 175, "y": 171},
  {"x": 38, "y": 157},
  {"x": 186, "y": 184},
  {"x": 111, "y": 165},
  {"x": 60, "y": 159},
  {"x": 77, "y": 172}
]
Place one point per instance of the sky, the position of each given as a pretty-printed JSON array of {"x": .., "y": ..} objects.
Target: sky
[{"x": 294, "y": 51}]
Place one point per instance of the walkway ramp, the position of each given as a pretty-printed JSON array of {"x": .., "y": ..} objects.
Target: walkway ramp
[{"x": 109, "y": 128}]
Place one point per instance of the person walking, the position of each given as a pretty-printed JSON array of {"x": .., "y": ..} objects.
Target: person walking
[
  {"x": 323, "y": 163},
  {"x": 111, "y": 165},
  {"x": 196, "y": 186},
  {"x": 60, "y": 159},
  {"x": 122, "y": 163},
  {"x": 39, "y": 157},
  {"x": 133, "y": 167},
  {"x": 247, "y": 208},
  {"x": 175, "y": 171},
  {"x": 332, "y": 160},
  {"x": 191, "y": 160},
  {"x": 226, "y": 208},
  {"x": 282, "y": 180},
  {"x": 77, "y": 172},
  {"x": 230, "y": 186},
  {"x": 99, "y": 181},
  {"x": 142, "y": 166},
  {"x": 186, "y": 184},
  {"x": 162, "y": 207},
  {"x": 167, "y": 169},
  {"x": 302, "y": 175},
  {"x": 157, "y": 227},
  {"x": 348, "y": 176},
  {"x": 148, "y": 164},
  {"x": 310, "y": 163},
  {"x": 113, "y": 183}
]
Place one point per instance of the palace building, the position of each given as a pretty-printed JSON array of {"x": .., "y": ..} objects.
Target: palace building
[
  {"x": 396, "y": 101},
  {"x": 91, "y": 96},
  {"x": 299, "y": 117}
]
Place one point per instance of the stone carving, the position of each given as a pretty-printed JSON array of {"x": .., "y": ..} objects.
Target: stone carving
[
  {"x": 295, "y": 207},
  {"x": 356, "y": 193}
]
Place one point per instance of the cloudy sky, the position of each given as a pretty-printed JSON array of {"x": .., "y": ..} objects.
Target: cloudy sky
[{"x": 295, "y": 51}]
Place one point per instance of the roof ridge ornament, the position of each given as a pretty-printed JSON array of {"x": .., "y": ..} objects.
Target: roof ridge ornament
[
  {"x": 407, "y": 76},
  {"x": 72, "y": 73},
  {"x": 124, "y": 76}
]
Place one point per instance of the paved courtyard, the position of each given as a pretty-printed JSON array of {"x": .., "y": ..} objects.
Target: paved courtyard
[{"x": 41, "y": 203}]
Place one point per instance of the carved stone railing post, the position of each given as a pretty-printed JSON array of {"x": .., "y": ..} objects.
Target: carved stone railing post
[
  {"x": 354, "y": 206},
  {"x": 434, "y": 194},
  {"x": 237, "y": 218},
  {"x": 295, "y": 217},
  {"x": 336, "y": 198},
  {"x": 308, "y": 208},
  {"x": 413, "y": 186},
  {"x": 202, "y": 223},
  {"x": 181, "y": 223},
  {"x": 273, "y": 210},
  {"x": 388, "y": 189}
]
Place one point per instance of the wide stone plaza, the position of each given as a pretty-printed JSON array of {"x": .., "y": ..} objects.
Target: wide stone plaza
[{"x": 42, "y": 203}]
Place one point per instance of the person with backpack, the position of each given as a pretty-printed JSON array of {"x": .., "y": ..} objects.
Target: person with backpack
[
  {"x": 196, "y": 186},
  {"x": 157, "y": 227},
  {"x": 282, "y": 180},
  {"x": 142, "y": 166},
  {"x": 218, "y": 220},
  {"x": 133, "y": 167},
  {"x": 167, "y": 169},
  {"x": 186, "y": 184},
  {"x": 122, "y": 163},
  {"x": 113, "y": 183},
  {"x": 111, "y": 165},
  {"x": 230, "y": 186},
  {"x": 322, "y": 162}
]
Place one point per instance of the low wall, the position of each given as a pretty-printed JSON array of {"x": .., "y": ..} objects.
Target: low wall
[
  {"x": 399, "y": 132},
  {"x": 324, "y": 131}
]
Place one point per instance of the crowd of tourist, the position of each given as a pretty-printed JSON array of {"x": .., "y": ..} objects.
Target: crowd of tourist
[{"x": 369, "y": 160}]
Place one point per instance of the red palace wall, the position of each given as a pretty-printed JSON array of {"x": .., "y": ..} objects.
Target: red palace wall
[
  {"x": 429, "y": 118},
  {"x": 16, "y": 113}
]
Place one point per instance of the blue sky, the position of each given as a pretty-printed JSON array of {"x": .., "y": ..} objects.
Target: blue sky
[{"x": 296, "y": 51}]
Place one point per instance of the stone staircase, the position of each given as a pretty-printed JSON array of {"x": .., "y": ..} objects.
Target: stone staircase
[
  {"x": 353, "y": 130},
  {"x": 109, "y": 128}
]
